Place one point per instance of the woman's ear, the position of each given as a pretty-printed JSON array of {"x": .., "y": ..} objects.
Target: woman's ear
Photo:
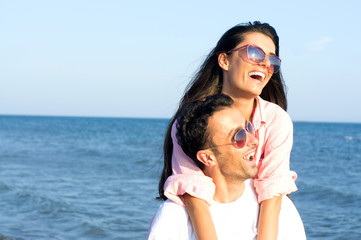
[
  {"x": 206, "y": 157},
  {"x": 223, "y": 61}
]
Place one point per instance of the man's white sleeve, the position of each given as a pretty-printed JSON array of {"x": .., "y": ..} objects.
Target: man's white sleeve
[{"x": 171, "y": 221}]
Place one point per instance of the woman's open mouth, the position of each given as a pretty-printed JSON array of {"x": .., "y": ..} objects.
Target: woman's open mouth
[{"x": 260, "y": 76}]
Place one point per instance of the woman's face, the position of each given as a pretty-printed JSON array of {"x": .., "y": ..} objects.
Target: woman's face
[{"x": 243, "y": 79}]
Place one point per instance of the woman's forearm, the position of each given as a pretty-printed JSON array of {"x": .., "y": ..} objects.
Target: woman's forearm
[
  {"x": 268, "y": 218},
  {"x": 201, "y": 218}
]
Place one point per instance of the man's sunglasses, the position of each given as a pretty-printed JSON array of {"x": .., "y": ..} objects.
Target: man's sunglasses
[
  {"x": 255, "y": 55},
  {"x": 240, "y": 138}
]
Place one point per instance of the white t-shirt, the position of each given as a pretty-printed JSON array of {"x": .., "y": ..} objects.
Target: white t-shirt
[{"x": 235, "y": 220}]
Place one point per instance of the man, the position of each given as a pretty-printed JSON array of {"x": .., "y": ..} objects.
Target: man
[{"x": 219, "y": 139}]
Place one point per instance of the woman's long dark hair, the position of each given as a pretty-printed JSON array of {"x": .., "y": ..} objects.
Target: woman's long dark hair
[{"x": 209, "y": 81}]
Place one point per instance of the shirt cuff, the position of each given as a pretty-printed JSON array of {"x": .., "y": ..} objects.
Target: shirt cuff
[
  {"x": 279, "y": 184},
  {"x": 197, "y": 186}
]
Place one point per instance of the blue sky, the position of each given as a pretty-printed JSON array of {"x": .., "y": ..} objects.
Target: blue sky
[{"x": 134, "y": 58}]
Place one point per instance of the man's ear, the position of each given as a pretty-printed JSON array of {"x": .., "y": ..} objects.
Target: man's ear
[
  {"x": 206, "y": 157},
  {"x": 223, "y": 61}
]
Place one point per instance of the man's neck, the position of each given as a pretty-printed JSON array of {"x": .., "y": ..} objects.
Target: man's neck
[{"x": 227, "y": 191}]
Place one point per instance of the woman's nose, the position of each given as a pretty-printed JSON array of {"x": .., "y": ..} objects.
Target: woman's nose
[{"x": 266, "y": 62}]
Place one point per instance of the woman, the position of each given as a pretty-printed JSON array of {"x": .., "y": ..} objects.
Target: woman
[{"x": 244, "y": 65}]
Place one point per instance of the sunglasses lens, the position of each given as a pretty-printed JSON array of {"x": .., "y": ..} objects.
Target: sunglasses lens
[
  {"x": 255, "y": 54},
  {"x": 250, "y": 128},
  {"x": 276, "y": 63},
  {"x": 240, "y": 138}
]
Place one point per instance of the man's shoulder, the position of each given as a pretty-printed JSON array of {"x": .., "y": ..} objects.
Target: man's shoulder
[
  {"x": 170, "y": 220},
  {"x": 170, "y": 210}
]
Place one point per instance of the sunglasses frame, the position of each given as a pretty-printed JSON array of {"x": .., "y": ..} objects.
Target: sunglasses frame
[
  {"x": 249, "y": 128},
  {"x": 256, "y": 62}
]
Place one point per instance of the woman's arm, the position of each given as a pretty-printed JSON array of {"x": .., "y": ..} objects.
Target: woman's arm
[
  {"x": 274, "y": 175},
  {"x": 201, "y": 219},
  {"x": 268, "y": 218}
]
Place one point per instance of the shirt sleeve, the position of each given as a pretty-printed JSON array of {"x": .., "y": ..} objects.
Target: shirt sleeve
[
  {"x": 274, "y": 176},
  {"x": 290, "y": 223},
  {"x": 170, "y": 222},
  {"x": 187, "y": 177}
]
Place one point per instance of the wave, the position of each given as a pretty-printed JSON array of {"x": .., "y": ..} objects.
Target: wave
[
  {"x": 352, "y": 138},
  {"x": 4, "y": 187},
  {"x": 333, "y": 195},
  {"x": 29, "y": 202},
  {"x": 2, "y": 237}
]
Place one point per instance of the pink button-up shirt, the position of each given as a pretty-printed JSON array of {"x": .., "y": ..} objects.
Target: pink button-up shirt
[{"x": 274, "y": 131}]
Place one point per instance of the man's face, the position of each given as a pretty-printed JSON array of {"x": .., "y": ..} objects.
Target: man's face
[{"x": 234, "y": 163}]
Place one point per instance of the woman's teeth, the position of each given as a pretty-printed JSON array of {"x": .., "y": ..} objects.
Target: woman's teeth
[{"x": 257, "y": 75}]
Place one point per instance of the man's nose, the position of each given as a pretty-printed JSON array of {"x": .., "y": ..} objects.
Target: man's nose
[{"x": 252, "y": 140}]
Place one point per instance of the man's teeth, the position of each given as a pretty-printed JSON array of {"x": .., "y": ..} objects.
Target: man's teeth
[
  {"x": 262, "y": 75},
  {"x": 249, "y": 157}
]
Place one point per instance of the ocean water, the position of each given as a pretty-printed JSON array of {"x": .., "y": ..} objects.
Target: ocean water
[{"x": 96, "y": 178}]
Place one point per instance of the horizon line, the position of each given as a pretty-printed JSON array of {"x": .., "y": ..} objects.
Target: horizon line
[{"x": 137, "y": 117}]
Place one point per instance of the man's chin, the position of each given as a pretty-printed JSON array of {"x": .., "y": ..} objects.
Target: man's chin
[{"x": 253, "y": 172}]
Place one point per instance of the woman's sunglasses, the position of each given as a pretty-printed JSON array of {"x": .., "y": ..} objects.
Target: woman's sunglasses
[
  {"x": 240, "y": 138},
  {"x": 253, "y": 54}
]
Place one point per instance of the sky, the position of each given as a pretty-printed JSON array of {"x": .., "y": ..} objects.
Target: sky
[{"x": 134, "y": 58}]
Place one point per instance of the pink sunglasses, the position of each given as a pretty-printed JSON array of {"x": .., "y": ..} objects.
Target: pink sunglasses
[
  {"x": 240, "y": 138},
  {"x": 255, "y": 55}
]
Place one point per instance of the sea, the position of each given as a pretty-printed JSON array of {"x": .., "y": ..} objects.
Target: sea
[{"x": 97, "y": 178}]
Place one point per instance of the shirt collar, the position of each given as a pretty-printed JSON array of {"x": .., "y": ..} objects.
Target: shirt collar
[{"x": 258, "y": 120}]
